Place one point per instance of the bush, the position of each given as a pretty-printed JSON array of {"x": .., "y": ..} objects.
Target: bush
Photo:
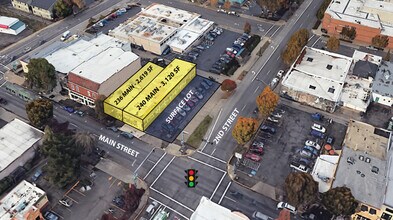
[
  {"x": 5, "y": 184},
  {"x": 252, "y": 42},
  {"x": 231, "y": 67},
  {"x": 228, "y": 85},
  {"x": 322, "y": 9}
]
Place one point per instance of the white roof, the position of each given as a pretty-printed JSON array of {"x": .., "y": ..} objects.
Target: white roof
[
  {"x": 99, "y": 68},
  {"x": 319, "y": 73},
  {"x": 356, "y": 93},
  {"x": 325, "y": 166},
  {"x": 66, "y": 59},
  {"x": 19, "y": 201},
  {"x": 372, "y": 58},
  {"x": 198, "y": 25},
  {"x": 371, "y": 13},
  {"x": 208, "y": 210},
  {"x": 183, "y": 39},
  {"x": 16, "y": 138},
  {"x": 176, "y": 15},
  {"x": 8, "y": 21}
]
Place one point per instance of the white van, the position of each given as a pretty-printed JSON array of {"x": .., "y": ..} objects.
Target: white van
[
  {"x": 260, "y": 216},
  {"x": 152, "y": 208},
  {"x": 284, "y": 205},
  {"x": 65, "y": 36}
]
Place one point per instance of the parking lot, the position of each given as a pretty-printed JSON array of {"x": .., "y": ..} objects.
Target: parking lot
[{"x": 280, "y": 148}]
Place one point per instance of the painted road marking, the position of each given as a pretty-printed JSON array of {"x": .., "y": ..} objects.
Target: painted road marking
[
  {"x": 169, "y": 208},
  {"x": 244, "y": 107},
  {"x": 118, "y": 145},
  {"x": 230, "y": 199},
  {"x": 218, "y": 159},
  {"x": 207, "y": 164},
  {"x": 218, "y": 185},
  {"x": 211, "y": 132},
  {"x": 159, "y": 175},
  {"x": 226, "y": 126},
  {"x": 184, "y": 206},
  {"x": 274, "y": 33},
  {"x": 136, "y": 170},
  {"x": 154, "y": 166},
  {"x": 225, "y": 192},
  {"x": 256, "y": 90}
]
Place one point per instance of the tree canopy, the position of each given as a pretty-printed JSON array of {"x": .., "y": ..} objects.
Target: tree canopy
[
  {"x": 348, "y": 33},
  {"x": 300, "y": 188},
  {"x": 244, "y": 129},
  {"x": 63, "y": 156},
  {"x": 247, "y": 28},
  {"x": 295, "y": 45},
  {"x": 132, "y": 198},
  {"x": 339, "y": 201},
  {"x": 322, "y": 9},
  {"x": 267, "y": 101},
  {"x": 85, "y": 141},
  {"x": 39, "y": 112},
  {"x": 62, "y": 8},
  {"x": 41, "y": 75},
  {"x": 273, "y": 5},
  {"x": 387, "y": 56},
  {"x": 228, "y": 85},
  {"x": 333, "y": 44},
  {"x": 380, "y": 41}
]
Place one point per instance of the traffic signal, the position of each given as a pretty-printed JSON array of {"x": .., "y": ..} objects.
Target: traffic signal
[{"x": 191, "y": 178}]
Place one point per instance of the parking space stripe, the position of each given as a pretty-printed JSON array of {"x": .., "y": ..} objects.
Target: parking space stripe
[
  {"x": 207, "y": 164},
  {"x": 154, "y": 166},
  {"x": 218, "y": 185},
  {"x": 172, "y": 199},
  {"x": 230, "y": 199},
  {"x": 72, "y": 199},
  {"x": 169, "y": 208},
  {"x": 78, "y": 192}
]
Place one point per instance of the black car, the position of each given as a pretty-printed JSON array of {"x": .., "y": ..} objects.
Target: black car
[
  {"x": 168, "y": 128},
  {"x": 268, "y": 129},
  {"x": 208, "y": 82},
  {"x": 216, "y": 71},
  {"x": 330, "y": 140},
  {"x": 119, "y": 201}
]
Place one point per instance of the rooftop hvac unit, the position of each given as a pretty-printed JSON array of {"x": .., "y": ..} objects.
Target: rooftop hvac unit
[{"x": 182, "y": 41}]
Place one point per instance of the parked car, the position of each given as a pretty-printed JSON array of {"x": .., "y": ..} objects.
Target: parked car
[
  {"x": 208, "y": 82},
  {"x": 330, "y": 140},
  {"x": 194, "y": 99},
  {"x": 119, "y": 201},
  {"x": 221, "y": 11},
  {"x": 80, "y": 113},
  {"x": 318, "y": 127},
  {"x": 280, "y": 73},
  {"x": 306, "y": 154},
  {"x": 317, "y": 134},
  {"x": 312, "y": 150},
  {"x": 182, "y": 112},
  {"x": 272, "y": 119},
  {"x": 253, "y": 157},
  {"x": 233, "y": 13},
  {"x": 274, "y": 82},
  {"x": 268, "y": 129},
  {"x": 260, "y": 216},
  {"x": 237, "y": 47},
  {"x": 300, "y": 167},
  {"x": 152, "y": 208},
  {"x": 36, "y": 175},
  {"x": 112, "y": 128},
  {"x": 68, "y": 109},
  {"x": 317, "y": 116},
  {"x": 231, "y": 50},
  {"x": 205, "y": 85},
  {"x": 127, "y": 135},
  {"x": 198, "y": 95},
  {"x": 193, "y": 54},
  {"x": 200, "y": 47},
  {"x": 257, "y": 150},
  {"x": 257, "y": 144},
  {"x": 305, "y": 161},
  {"x": 190, "y": 103},
  {"x": 66, "y": 202},
  {"x": 312, "y": 144},
  {"x": 284, "y": 205},
  {"x": 277, "y": 114},
  {"x": 199, "y": 89},
  {"x": 51, "y": 216}
]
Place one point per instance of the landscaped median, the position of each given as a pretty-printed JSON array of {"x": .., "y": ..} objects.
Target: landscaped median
[{"x": 196, "y": 137}]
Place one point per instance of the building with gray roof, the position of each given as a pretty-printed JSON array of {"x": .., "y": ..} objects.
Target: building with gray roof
[{"x": 382, "y": 89}]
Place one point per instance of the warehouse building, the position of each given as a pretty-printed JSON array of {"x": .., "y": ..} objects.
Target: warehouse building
[
  {"x": 17, "y": 146},
  {"x": 156, "y": 28},
  {"x": 369, "y": 17},
  {"x": 10, "y": 25},
  {"x": 24, "y": 202}
]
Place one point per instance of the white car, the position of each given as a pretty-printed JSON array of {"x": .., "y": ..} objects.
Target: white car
[
  {"x": 276, "y": 115},
  {"x": 318, "y": 127},
  {"x": 312, "y": 144},
  {"x": 272, "y": 119},
  {"x": 280, "y": 73},
  {"x": 274, "y": 82},
  {"x": 284, "y": 205},
  {"x": 66, "y": 202}
]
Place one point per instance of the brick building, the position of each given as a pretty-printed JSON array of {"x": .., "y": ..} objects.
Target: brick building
[{"x": 368, "y": 17}]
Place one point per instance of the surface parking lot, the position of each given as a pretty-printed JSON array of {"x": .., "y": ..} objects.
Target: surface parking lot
[{"x": 283, "y": 147}]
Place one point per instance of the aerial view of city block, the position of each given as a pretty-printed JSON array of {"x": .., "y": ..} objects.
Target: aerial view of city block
[{"x": 196, "y": 109}]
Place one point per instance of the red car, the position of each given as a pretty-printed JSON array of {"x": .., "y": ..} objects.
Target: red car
[
  {"x": 253, "y": 157},
  {"x": 257, "y": 150}
]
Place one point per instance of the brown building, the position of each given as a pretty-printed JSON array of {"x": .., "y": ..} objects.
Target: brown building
[{"x": 369, "y": 18}]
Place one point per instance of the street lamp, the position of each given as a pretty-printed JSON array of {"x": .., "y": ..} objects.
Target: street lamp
[{"x": 183, "y": 147}]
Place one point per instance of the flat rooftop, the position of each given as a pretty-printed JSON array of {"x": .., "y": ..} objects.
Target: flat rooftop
[
  {"x": 325, "y": 167},
  {"x": 356, "y": 92},
  {"x": 371, "y": 13},
  {"x": 178, "y": 16},
  {"x": 69, "y": 57},
  {"x": 366, "y": 186},
  {"x": 198, "y": 25},
  {"x": 318, "y": 72},
  {"x": 16, "y": 138},
  {"x": 210, "y": 210},
  {"x": 19, "y": 201},
  {"x": 102, "y": 66},
  {"x": 388, "y": 199},
  {"x": 183, "y": 39},
  {"x": 8, "y": 21},
  {"x": 367, "y": 138},
  {"x": 372, "y": 58},
  {"x": 383, "y": 81}
]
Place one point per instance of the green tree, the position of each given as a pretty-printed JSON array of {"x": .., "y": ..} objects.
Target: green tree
[
  {"x": 333, "y": 44},
  {"x": 300, "y": 188},
  {"x": 85, "y": 141},
  {"x": 99, "y": 107},
  {"x": 348, "y": 33},
  {"x": 322, "y": 9},
  {"x": 228, "y": 85},
  {"x": 39, "y": 112},
  {"x": 387, "y": 56},
  {"x": 63, "y": 166},
  {"x": 267, "y": 101},
  {"x": 62, "y": 8},
  {"x": 273, "y": 5},
  {"x": 380, "y": 41},
  {"x": 295, "y": 45},
  {"x": 247, "y": 28},
  {"x": 41, "y": 75},
  {"x": 244, "y": 129},
  {"x": 339, "y": 201}
]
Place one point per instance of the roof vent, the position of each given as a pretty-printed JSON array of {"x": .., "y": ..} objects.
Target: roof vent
[
  {"x": 361, "y": 157},
  {"x": 368, "y": 160},
  {"x": 350, "y": 160},
  {"x": 375, "y": 170},
  {"x": 309, "y": 59},
  {"x": 329, "y": 67}
]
